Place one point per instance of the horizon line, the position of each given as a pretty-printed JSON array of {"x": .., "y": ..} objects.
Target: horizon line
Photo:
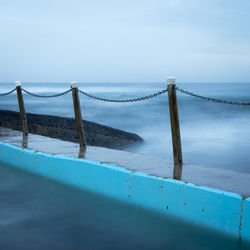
[{"x": 126, "y": 82}]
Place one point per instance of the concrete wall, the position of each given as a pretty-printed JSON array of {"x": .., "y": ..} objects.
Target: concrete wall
[
  {"x": 215, "y": 209},
  {"x": 245, "y": 223}
]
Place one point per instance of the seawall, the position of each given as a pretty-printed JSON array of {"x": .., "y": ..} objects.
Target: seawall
[{"x": 222, "y": 211}]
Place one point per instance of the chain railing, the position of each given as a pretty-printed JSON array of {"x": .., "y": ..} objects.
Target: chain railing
[
  {"x": 212, "y": 99},
  {"x": 46, "y": 96},
  {"x": 124, "y": 100},
  {"x": 183, "y": 91},
  {"x": 7, "y": 93},
  {"x": 92, "y": 96},
  {"x": 173, "y": 111}
]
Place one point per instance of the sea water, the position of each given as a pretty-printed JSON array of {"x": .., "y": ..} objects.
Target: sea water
[
  {"x": 37, "y": 213},
  {"x": 212, "y": 134}
]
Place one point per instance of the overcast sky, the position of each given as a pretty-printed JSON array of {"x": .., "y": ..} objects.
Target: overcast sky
[{"x": 125, "y": 41}]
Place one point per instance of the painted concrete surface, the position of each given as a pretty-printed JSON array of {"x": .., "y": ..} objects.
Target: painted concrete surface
[
  {"x": 202, "y": 206},
  {"x": 217, "y": 178},
  {"x": 245, "y": 223}
]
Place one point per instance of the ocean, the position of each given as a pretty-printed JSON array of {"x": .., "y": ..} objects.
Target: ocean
[{"x": 212, "y": 134}]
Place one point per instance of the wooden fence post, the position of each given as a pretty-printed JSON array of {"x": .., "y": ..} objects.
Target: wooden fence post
[
  {"x": 78, "y": 119},
  {"x": 22, "y": 114},
  {"x": 175, "y": 128}
]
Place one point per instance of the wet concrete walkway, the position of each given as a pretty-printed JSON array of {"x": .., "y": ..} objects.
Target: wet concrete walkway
[{"x": 222, "y": 179}]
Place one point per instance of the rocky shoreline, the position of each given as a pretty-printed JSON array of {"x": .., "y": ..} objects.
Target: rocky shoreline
[{"x": 65, "y": 129}]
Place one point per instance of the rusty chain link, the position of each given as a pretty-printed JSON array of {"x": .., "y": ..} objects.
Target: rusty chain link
[
  {"x": 47, "y": 96},
  {"x": 7, "y": 93},
  {"x": 212, "y": 99},
  {"x": 124, "y": 100}
]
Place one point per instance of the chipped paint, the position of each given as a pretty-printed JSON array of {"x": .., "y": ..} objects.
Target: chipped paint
[
  {"x": 245, "y": 220},
  {"x": 241, "y": 217},
  {"x": 222, "y": 211}
]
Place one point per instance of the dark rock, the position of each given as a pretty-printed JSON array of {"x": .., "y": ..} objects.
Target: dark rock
[{"x": 65, "y": 129}]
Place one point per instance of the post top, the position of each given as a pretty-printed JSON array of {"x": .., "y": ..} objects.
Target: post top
[
  {"x": 17, "y": 83},
  {"x": 74, "y": 84},
  {"x": 171, "y": 80}
]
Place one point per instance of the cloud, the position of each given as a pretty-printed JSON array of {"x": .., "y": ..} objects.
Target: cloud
[{"x": 123, "y": 40}]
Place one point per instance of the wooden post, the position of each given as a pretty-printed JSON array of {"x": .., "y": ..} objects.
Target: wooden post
[
  {"x": 78, "y": 119},
  {"x": 22, "y": 114},
  {"x": 175, "y": 127}
]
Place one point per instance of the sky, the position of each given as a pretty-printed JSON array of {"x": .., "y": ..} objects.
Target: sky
[{"x": 124, "y": 41}]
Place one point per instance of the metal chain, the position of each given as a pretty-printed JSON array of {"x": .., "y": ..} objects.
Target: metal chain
[
  {"x": 7, "y": 93},
  {"x": 124, "y": 100},
  {"x": 212, "y": 99},
  {"x": 47, "y": 96},
  {"x": 134, "y": 99}
]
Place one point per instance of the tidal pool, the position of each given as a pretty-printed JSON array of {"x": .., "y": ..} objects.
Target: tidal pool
[{"x": 36, "y": 213}]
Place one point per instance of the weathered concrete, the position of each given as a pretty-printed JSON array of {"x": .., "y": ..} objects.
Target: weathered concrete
[
  {"x": 215, "y": 209},
  {"x": 65, "y": 129},
  {"x": 245, "y": 220},
  {"x": 216, "y": 178}
]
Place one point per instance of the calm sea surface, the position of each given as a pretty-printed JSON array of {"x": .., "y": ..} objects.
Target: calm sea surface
[
  {"x": 212, "y": 134},
  {"x": 40, "y": 214}
]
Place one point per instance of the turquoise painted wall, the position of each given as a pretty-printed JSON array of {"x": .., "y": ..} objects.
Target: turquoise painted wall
[
  {"x": 245, "y": 223},
  {"x": 222, "y": 211}
]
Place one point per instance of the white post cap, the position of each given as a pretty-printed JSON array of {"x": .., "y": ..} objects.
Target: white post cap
[
  {"x": 74, "y": 85},
  {"x": 171, "y": 80},
  {"x": 17, "y": 83}
]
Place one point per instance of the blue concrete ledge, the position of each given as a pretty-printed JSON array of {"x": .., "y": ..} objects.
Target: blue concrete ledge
[
  {"x": 245, "y": 223},
  {"x": 222, "y": 211}
]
